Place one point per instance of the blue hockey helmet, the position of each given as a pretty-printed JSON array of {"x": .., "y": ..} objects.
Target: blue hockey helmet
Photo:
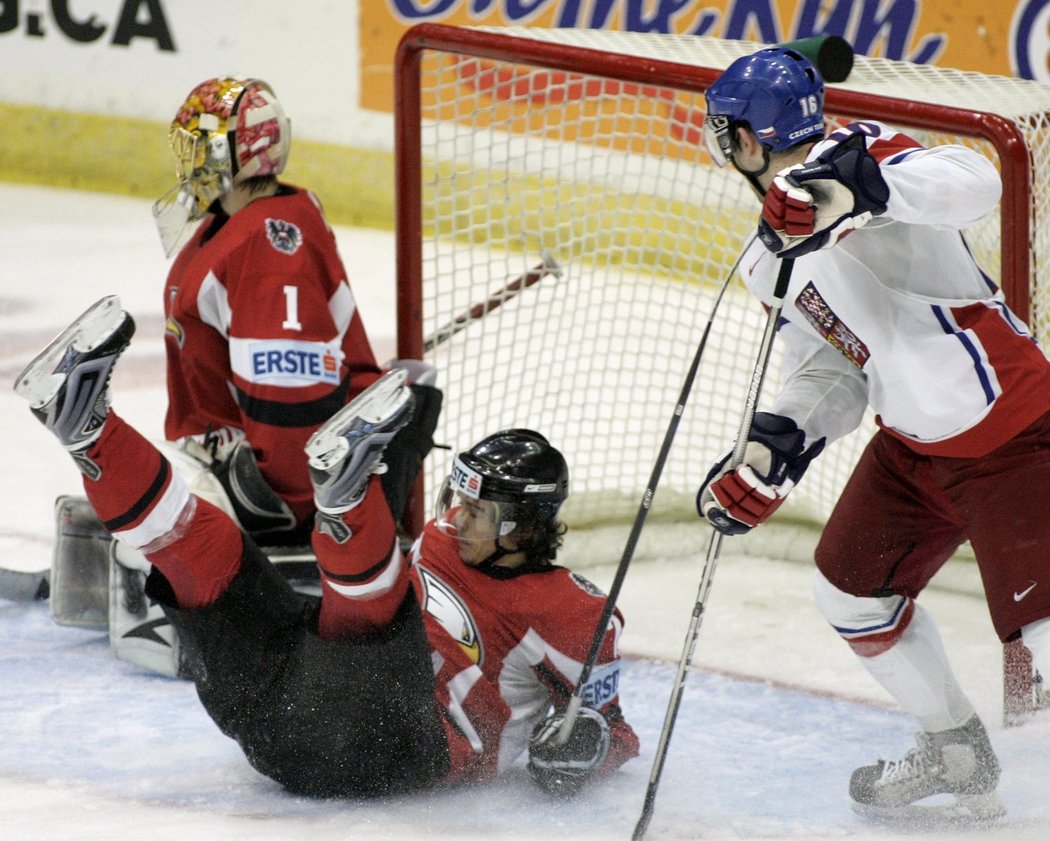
[{"x": 776, "y": 91}]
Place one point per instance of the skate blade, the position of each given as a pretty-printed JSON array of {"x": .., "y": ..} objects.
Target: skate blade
[
  {"x": 953, "y": 811},
  {"x": 38, "y": 381},
  {"x": 376, "y": 404}
]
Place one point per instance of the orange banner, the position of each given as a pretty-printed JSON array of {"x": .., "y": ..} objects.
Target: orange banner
[{"x": 1005, "y": 38}]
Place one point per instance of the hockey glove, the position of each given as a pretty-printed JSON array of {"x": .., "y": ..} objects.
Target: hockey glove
[
  {"x": 563, "y": 769},
  {"x": 212, "y": 447},
  {"x": 227, "y": 454},
  {"x": 735, "y": 501},
  {"x": 813, "y": 205}
]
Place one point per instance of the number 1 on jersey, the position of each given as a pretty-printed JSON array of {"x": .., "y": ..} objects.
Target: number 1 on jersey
[{"x": 291, "y": 304}]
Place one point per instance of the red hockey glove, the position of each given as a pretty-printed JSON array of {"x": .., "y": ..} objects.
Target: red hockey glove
[
  {"x": 813, "y": 205},
  {"x": 735, "y": 501},
  {"x": 788, "y": 208}
]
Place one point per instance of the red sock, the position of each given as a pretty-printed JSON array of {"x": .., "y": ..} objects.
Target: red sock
[
  {"x": 139, "y": 499},
  {"x": 365, "y": 578},
  {"x": 134, "y": 476},
  {"x": 204, "y": 559}
]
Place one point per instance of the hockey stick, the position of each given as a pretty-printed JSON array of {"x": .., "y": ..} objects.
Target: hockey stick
[
  {"x": 549, "y": 266},
  {"x": 714, "y": 548},
  {"x": 576, "y": 701},
  {"x": 18, "y": 586}
]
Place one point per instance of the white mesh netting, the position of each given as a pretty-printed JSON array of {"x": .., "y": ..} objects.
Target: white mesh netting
[{"x": 610, "y": 179}]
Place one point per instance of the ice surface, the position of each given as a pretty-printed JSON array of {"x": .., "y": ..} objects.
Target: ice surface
[{"x": 776, "y": 712}]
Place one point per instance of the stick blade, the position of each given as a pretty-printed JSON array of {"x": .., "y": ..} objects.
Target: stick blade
[{"x": 550, "y": 264}]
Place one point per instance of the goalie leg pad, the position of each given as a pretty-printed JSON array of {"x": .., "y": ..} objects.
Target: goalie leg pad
[
  {"x": 79, "y": 566},
  {"x": 139, "y": 632}
]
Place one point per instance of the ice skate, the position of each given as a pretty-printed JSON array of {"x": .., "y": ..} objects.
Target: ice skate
[
  {"x": 67, "y": 384},
  {"x": 344, "y": 452},
  {"x": 958, "y": 764}
]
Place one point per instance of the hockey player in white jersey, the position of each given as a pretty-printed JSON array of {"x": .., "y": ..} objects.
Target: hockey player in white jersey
[{"x": 899, "y": 316}]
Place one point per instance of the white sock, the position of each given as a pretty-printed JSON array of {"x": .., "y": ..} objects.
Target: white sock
[
  {"x": 1036, "y": 637},
  {"x": 916, "y": 672}
]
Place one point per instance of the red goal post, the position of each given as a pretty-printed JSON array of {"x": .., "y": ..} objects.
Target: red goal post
[{"x": 517, "y": 143}]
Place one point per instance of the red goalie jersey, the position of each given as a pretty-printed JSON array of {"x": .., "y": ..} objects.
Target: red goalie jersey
[
  {"x": 507, "y": 645},
  {"x": 263, "y": 334}
]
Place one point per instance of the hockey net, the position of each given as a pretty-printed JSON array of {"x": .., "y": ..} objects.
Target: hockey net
[{"x": 517, "y": 145}]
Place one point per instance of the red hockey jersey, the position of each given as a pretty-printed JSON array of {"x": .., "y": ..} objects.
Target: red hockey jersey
[
  {"x": 263, "y": 334},
  {"x": 508, "y": 647}
]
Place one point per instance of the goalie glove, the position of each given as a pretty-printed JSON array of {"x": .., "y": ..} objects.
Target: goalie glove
[
  {"x": 735, "y": 501},
  {"x": 563, "y": 769},
  {"x": 226, "y": 454},
  {"x": 212, "y": 447},
  {"x": 813, "y": 205}
]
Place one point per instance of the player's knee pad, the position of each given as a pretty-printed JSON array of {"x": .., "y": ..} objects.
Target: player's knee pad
[{"x": 870, "y": 624}]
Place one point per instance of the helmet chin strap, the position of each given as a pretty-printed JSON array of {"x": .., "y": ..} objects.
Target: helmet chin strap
[
  {"x": 501, "y": 552},
  {"x": 752, "y": 176}
]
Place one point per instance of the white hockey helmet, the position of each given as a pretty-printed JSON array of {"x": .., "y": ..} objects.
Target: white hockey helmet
[{"x": 228, "y": 130}]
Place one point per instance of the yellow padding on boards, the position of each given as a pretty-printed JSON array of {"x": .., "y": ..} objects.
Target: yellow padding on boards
[{"x": 131, "y": 157}]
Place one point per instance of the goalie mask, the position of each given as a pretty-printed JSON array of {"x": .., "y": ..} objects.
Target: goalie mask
[
  {"x": 227, "y": 131},
  {"x": 505, "y": 492},
  {"x": 776, "y": 92}
]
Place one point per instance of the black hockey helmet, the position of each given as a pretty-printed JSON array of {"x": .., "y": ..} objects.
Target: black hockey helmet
[
  {"x": 527, "y": 479},
  {"x": 519, "y": 466}
]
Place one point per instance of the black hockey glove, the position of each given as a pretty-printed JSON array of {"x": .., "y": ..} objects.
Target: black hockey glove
[
  {"x": 563, "y": 769},
  {"x": 813, "y": 205},
  {"x": 735, "y": 501}
]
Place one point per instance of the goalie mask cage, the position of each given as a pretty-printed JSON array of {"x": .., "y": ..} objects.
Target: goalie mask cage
[{"x": 585, "y": 146}]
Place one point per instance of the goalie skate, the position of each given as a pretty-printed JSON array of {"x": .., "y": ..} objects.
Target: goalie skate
[
  {"x": 949, "y": 778},
  {"x": 67, "y": 384},
  {"x": 346, "y": 451}
]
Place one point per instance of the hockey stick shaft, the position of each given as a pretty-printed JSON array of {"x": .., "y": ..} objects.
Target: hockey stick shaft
[
  {"x": 714, "y": 548},
  {"x": 549, "y": 266},
  {"x": 18, "y": 586},
  {"x": 576, "y": 701}
]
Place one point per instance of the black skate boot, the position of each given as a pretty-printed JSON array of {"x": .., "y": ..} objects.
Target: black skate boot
[
  {"x": 959, "y": 763},
  {"x": 346, "y": 451},
  {"x": 67, "y": 384}
]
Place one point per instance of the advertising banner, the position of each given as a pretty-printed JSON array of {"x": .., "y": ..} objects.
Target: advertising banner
[{"x": 1009, "y": 38}]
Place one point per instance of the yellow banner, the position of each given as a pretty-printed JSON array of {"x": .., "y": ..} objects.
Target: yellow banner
[{"x": 1004, "y": 38}]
